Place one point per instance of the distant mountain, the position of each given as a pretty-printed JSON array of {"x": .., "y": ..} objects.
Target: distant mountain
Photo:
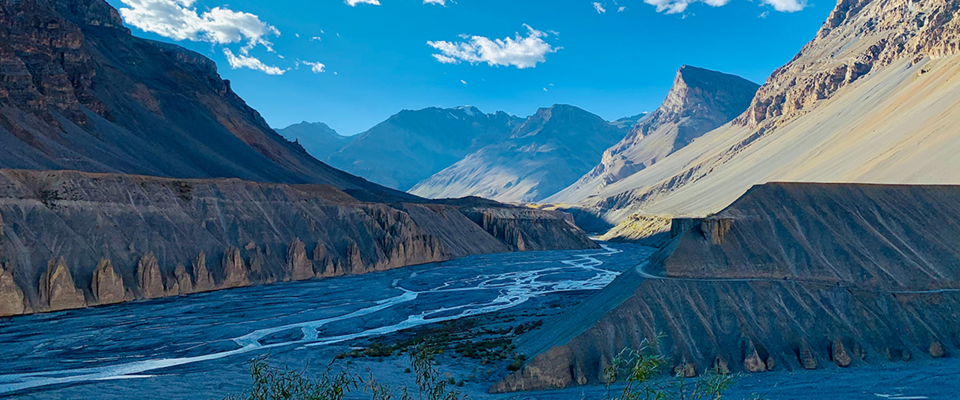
[
  {"x": 412, "y": 145},
  {"x": 317, "y": 138},
  {"x": 628, "y": 122},
  {"x": 699, "y": 101},
  {"x": 548, "y": 152}
]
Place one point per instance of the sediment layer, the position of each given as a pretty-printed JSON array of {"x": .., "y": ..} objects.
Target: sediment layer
[{"x": 72, "y": 239}]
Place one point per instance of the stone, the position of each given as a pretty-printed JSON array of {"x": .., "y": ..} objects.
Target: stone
[
  {"x": 840, "y": 355},
  {"x": 184, "y": 281},
  {"x": 107, "y": 285},
  {"x": 752, "y": 362},
  {"x": 57, "y": 289},
  {"x": 233, "y": 269},
  {"x": 936, "y": 349},
  {"x": 721, "y": 366},
  {"x": 11, "y": 296},
  {"x": 806, "y": 356},
  {"x": 202, "y": 278},
  {"x": 149, "y": 279},
  {"x": 299, "y": 266}
]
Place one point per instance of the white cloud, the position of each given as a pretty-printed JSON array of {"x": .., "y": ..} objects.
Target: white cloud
[
  {"x": 679, "y": 6},
  {"x": 179, "y": 20},
  {"x": 353, "y": 3},
  {"x": 599, "y": 8},
  {"x": 521, "y": 52},
  {"x": 786, "y": 5},
  {"x": 246, "y": 61},
  {"x": 316, "y": 67}
]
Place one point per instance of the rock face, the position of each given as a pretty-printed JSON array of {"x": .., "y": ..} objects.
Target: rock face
[
  {"x": 317, "y": 138},
  {"x": 57, "y": 289},
  {"x": 412, "y": 145},
  {"x": 80, "y": 93},
  {"x": 699, "y": 101},
  {"x": 146, "y": 233},
  {"x": 11, "y": 296},
  {"x": 548, "y": 152},
  {"x": 787, "y": 275},
  {"x": 871, "y": 99},
  {"x": 107, "y": 286}
]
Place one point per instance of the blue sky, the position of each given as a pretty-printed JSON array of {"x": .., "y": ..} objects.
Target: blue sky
[{"x": 354, "y": 65}]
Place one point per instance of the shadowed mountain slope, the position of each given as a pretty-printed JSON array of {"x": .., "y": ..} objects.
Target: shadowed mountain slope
[
  {"x": 789, "y": 277},
  {"x": 550, "y": 150},
  {"x": 80, "y": 92}
]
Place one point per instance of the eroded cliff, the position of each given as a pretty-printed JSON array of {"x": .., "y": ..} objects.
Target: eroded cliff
[
  {"x": 789, "y": 277},
  {"x": 74, "y": 239}
]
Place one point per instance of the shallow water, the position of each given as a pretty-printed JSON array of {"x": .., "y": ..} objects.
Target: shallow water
[{"x": 222, "y": 330}]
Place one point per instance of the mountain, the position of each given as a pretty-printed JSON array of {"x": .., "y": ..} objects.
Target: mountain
[
  {"x": 317, "y": 138},
  {"x": 80, "y": 92},
  {"x": 549, "y": 151},
  {"x": 129, "y": 170},
  {"x": 626, "y": 123},
  {"x": 872, "y": 99},
  {"x": 792, "y": 276},
  {"x": 699, "y": 101},
  {"x": 412, "y": 145}
]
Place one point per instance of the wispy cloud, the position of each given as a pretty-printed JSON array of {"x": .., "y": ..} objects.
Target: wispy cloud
[
  {"x": 246, "y": 61},
  {"x": 679, "y": 6},
  {"x": 521, "y": 52},
  {"x": 316, "y": 67}
]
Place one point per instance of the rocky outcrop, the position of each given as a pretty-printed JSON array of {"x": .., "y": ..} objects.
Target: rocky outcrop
[
  {"x": 107, "y": 285},
  {"x": 884, "y": 32},
  {"x": 789, "y": 277},
  {"x": 699, "y": 101},
  {"x": 155, "y": 241},
  {"x": 58, "y": 291},
  {"x": 149, "y": 280},
  {"x": 298, "y": 265},
  {"x": 79, "y": 92},
  {"x": 11, "y": 296}
]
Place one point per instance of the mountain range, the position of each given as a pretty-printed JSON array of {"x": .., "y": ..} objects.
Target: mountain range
[
  {"x": 550, "y": 150},
  {"x": 316, "y": 138}
]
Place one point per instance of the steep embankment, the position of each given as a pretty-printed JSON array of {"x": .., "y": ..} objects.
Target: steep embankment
[
  {"x": 790, "y": 276},
  {"x": 548, "y": 152},
  {"x": 873, "y": 99},
  {"x": 79, "y": 92},
  {"x": 73, "y": 239},
  {"x": 699, "y": 101}
]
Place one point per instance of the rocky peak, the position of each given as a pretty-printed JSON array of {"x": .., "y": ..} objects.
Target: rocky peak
[
  {"x": 860, "y": 36},
  {"x": 702, "y": 99}
]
